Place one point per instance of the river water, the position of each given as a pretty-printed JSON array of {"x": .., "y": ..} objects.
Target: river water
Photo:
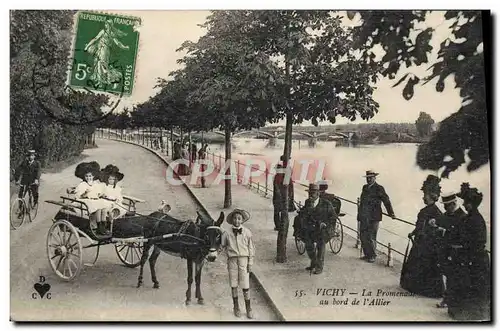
[{"x": 344, "y": 168}]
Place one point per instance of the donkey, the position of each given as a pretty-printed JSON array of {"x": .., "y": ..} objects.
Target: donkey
[{"x": 194, "y": 241}]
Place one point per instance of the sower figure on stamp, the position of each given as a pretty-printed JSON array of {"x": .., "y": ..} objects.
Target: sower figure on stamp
[
  {"x": 240, "y": 249},
  {"x": 370, "y": 214},
  {"x": 448, "y": 235},
  {"x": 318, "y": 225},
  {"x": 28, "y": 174}
]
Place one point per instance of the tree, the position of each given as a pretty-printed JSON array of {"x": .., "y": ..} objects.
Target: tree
[
  {"x": 233, "y": 85},
  {"x": 424, "y": 124},
  {"x": 460, "y": 55},
  {"x": 322, "y": 78},
  {"x": 39, "y": 47}
]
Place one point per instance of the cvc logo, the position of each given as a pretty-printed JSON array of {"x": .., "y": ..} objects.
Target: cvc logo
[{"x": 42, "y": 290}]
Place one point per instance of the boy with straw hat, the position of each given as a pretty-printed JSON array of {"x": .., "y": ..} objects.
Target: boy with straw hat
[{"x": 240, "y": 249}]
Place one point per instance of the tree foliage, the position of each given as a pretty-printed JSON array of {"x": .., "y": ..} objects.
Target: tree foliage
[
  {"x": 460, "y": 55},
  {"x": 424, "y": 124},
  {"x": 40, "y": 43}
]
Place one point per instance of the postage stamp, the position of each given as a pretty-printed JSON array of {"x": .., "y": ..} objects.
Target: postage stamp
[{"x": 105, "y": 51}]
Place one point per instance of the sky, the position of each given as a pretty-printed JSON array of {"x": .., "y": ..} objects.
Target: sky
[{"x": 162, "y": 32}]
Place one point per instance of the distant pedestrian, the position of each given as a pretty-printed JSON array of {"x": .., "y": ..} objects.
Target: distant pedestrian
[
  {"x": 240, "y": 249},
  {"x": 202, "y": 155},
  {"x": 370, "y": 214}
]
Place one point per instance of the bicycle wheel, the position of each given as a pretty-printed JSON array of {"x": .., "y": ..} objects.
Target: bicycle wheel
[
  {"x": 17, "y": 212},
  {"x": 33, "y": 209},
  {"x": 301, "y": 246},
  {"x": 338, "y": 238}
]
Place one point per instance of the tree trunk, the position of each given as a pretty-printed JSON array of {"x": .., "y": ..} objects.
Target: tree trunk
[
  {"x": 227, "y": 182},
  {"x": 172, "y": 142},
  {"x": 285, "y": 222}
]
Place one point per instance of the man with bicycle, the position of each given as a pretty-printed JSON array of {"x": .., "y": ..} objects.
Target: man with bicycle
[
  {"x": 27, "y": 175},
  {"x": 318, "y": 223}
]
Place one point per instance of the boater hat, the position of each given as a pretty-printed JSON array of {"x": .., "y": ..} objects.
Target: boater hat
[
  {"x": 31, "y": 151},
  {"x": 86, "y": 167},
  {"x": 243, "y": 213},
  {"x": 371, "y": 173},
  {"x": 448, "y": 198}
]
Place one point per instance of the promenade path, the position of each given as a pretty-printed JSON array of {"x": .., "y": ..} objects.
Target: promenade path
[
  {"x": 331, "y": 296},
  {"x": 107, "y": 291}
]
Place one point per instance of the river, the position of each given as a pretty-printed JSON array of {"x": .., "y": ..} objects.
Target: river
[{"x": 345, "y": 166}]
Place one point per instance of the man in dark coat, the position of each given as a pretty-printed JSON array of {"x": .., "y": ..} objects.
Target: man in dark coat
[
  {"x": 318, "y": 222},
  {"x": 370, "y": 214},
  {"x": 448, "y": 229},
  {"x": 28, "y": 173}
]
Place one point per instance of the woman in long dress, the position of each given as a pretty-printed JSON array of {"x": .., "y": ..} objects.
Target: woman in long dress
[
  {"x": 420, "y": 273},
  {"x": 470, "y": 294},
  {"x": 89, "y": 191}
]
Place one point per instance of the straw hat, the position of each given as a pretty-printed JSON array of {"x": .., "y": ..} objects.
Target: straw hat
[
  {"x": 448, "y": 198},
  {"x": 371, "y": 173},
  {"x": 243, "y": 213}
]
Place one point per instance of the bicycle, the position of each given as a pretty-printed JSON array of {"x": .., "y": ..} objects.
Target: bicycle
[{"x": 22, "y": 207}]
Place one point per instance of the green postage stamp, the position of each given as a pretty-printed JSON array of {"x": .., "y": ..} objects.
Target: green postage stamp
[{"x": 105, "y": 51}]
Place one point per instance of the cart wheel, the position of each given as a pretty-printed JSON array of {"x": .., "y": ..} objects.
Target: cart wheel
[
  {"x": 17, "y": 212},
  {"x": 301, "y": 246},
  {"x": 130, "y": 253},
  {"x": 33, "y": 210},
  {"x": 64, "y": 250},
  {"x": 338, "y": 238}
]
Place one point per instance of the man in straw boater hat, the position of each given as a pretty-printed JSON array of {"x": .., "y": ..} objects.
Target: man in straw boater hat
[
  {"x": 448, "y": 233},
  {"x": 28, "y": 174},
  {"x": 240, "y": 249},
  {"x": 317, "y": 220},
  {"x": 370, "y": 214}
]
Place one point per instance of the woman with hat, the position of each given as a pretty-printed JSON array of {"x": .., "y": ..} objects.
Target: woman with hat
[
  {"x": 420, "y": 273},
  {"x": 110, "y": 177},
  {"x": 240, "y": 249},
  {"x": 89, "y": 191},
  {"x": 469, "y": 295}
]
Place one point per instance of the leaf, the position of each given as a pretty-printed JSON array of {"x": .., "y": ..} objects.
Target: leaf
[
  {"x": 351, "y": 14},
  {"x": 409, "y": 88},
  {"x": 401, "y": 80}
]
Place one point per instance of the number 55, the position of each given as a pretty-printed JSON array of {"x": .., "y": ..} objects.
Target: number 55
[{"x": 81, "y": 69}]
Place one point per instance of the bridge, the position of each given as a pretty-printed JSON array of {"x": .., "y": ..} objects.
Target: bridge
[{"x": 272, "y": 135}]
